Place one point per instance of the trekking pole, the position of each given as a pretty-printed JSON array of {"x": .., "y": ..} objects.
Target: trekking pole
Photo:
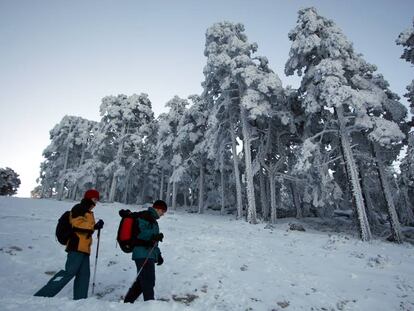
[{"x": 96, "y": 261}]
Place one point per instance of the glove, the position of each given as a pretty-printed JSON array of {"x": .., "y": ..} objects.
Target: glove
[
  {"x": 99, "y": 224},
  {"x": 160, "y": 260},
  {"x": 158, "y": 237}
]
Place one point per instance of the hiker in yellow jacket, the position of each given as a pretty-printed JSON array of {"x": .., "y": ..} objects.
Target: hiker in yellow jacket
[{"x": 78, "y": 248}]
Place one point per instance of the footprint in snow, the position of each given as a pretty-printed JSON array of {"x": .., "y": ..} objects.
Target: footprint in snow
[
  {"x": 111, "y": 263},
  {"x": 357, "y": 255},
  {"x": 283, "y": 304},
  {"x": 106, "y": 291},
  {"x": 12, "y": 250},
  {"x": 378, "y": 262},
  {"x": 187, "y": 299},
  {"x": 243, "y": 268}
]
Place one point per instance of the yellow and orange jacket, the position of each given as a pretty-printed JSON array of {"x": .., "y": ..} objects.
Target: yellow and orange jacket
[{"x": 83, "y": 224}]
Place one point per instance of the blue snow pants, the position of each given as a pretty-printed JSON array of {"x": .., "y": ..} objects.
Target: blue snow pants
[{"x": 77, "y": 265}]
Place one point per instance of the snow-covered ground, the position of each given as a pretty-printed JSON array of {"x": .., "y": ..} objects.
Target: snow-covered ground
[{"x": 211, "y": 263}]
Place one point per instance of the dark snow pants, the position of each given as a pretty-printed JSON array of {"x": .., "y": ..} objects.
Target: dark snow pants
[
  {"x": 77, "y": 265},
  {"x": 144, "y": 283}
]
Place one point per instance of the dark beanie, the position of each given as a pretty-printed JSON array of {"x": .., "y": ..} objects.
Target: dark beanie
[
  {"x": 91, "y": 194},
  {"x": 160, "y": 204}
]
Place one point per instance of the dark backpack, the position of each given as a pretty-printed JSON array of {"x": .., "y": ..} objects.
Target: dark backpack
[
  {"x": 128, "y": 230},
  {"x": 64, "y": 228}
]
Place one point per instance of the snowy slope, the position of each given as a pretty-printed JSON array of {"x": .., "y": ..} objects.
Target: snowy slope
[{"x": 211, "y": 263}]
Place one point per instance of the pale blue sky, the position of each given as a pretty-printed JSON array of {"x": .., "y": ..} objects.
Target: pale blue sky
[{"x": 61, "y": 57}]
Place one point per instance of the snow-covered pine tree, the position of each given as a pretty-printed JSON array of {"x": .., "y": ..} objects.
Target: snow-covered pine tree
[
  {"x": 107, "y": 146},
  {"x": 386, "y": 130},
  {"x": 9, "y": 181},
  {"x": 338, "y": 79},
  {"x": 138, "y": 150},
  {"x": 63, "y": 156},
  {"x": 86, "y": 171},
  {"x": 36, "y": 193},
  {"x": 221, "y": 145},
  {"x": 223, "y": 121},
  {"x": 266, "y": 104},
  {"x": 169, "y": 162},
  {"x": 406, "y": 39},
  {"x": 282, "y": 134},
  {"x": 222, "y": 140},
  {"x": 233, "y": 74},
  {"x": 64, "y": 138},
  {"x": 406, "y": 179},
  {"x": 312, "y": 164},
  {"x": 83, "y": 134},
  {"x": 275, "y": 132},
  {"x": 323, "y": 52},
  {"x": 148, "y": 163},
  {"x": 118, "y": 144},
  {"x": 190, "y": 144}
]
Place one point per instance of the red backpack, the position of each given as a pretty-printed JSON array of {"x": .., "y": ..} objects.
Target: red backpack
[{"x": 128, "y": 230}]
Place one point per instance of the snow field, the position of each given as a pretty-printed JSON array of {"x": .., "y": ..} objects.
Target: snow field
[{"x": 211, "y": 263}]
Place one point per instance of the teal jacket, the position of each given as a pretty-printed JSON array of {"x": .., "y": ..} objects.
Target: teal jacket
[{"x": 146, "y": 230}]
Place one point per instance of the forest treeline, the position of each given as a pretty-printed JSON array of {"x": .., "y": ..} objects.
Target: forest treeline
[{"x": 250, "y": 146}]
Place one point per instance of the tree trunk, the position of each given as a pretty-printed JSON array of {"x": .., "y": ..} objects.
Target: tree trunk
[
  {"x": 405, "y": 213},
  {"x": 296, "y": 200},
  {"x": 143, "y": 190},
  {"x": 352, "y": 169},
  {"x": 273, "y": 204},
  {"x": 82, "y": 155},
  {"x": 125, "y": 196},
  {"x": 222, "y": 184},
  {"x": 42, "y": 195},
  {"x": 236, "y": 174},
  {"x": 119, "y": 153},
  {"x": 191, "y": 198},
  {"x": 74, "y": 192},
  {"x": 168, "y": 194},
  {"x": 201, "y": 190},
  {"x": 369, "y": 206},
  {"x": 65, "y": 165},
  {"x": 185, "y": 198},
  {"x": 251, "y": 211},
  {"x": 268, "y": 199},
  {"x": 106, "y": 191},
  {"x": 263, "y": 195},
  {"x": 162, "y": 185},
  {"x": 174, "y": 195},
  {"x": 113, "y": 188},
  {"x": 407, "y": 206},
  {"x": 75, "y": 187},
  {"x": 392, "y": 213}
]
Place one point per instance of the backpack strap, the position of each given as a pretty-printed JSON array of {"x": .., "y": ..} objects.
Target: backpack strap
[
  {"x": 146, "y": 215},
  {"x": 76, "y": 229}
]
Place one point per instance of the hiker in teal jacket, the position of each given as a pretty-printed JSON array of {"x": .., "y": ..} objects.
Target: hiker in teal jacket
[{"x": 146, "y": 253}]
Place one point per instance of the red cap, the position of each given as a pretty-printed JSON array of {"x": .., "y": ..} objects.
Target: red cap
[{"x": 91, "y": 194}]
